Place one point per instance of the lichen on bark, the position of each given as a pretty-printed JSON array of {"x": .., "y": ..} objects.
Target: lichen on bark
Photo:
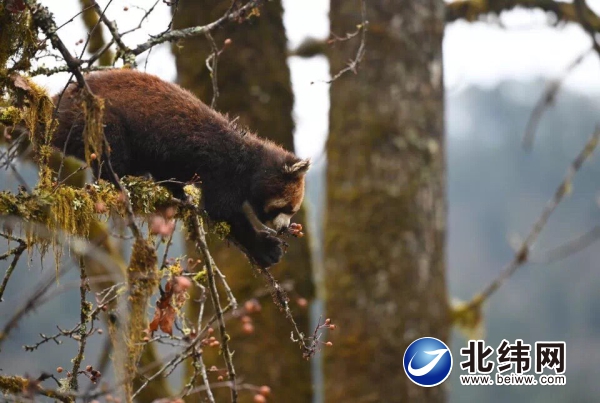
[{"x": 385, "y": 218}]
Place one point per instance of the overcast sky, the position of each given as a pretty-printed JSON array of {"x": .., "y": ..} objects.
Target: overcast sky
[{"x": 520, "y": 45}]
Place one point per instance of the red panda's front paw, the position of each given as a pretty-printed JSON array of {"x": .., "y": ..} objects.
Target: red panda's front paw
[{"x": 269, "y": 249}]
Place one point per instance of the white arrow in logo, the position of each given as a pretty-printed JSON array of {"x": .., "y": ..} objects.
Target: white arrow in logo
[{"x": 427, "y": 368}]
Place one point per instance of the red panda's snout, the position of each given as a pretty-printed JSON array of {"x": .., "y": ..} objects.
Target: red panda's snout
[
  {"x": 281, "y": 222},
  {"x": 282, "y": 196}
]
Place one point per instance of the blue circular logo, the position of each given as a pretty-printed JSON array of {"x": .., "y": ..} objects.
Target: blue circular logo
[{"x": 427, "y": 361}]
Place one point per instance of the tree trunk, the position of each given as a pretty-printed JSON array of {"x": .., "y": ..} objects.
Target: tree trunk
[
  {"x": 254, "y": 84},
  {"x": 385, "y": 229}
]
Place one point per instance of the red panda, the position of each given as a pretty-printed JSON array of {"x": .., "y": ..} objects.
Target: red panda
[{"x": 158, "y": 128}]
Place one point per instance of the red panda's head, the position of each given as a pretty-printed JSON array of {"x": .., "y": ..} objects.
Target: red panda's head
[{"x": 279, "y": 191}]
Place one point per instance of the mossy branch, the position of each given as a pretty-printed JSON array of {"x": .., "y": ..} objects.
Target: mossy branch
[
  {"x": 178, "y": 34},
  {"x": 19, "y": 386},
  {"x": 471, "y": 10},
  {"x": 198, "y": 235}
]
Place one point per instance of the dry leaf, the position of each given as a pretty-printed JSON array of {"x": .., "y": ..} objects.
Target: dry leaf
[
  {"x": 167, "y": 305},
  {"x": 20, "y": 82}
]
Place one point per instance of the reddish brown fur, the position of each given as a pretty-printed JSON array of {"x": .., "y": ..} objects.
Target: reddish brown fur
[{"x": 159, "y": 128}]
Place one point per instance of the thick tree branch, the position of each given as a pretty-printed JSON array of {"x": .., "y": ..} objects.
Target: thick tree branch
[
  {"x": 42, "y": 17},
  {"x": 471, "y": 10},
  {"x": 19, "y": 386}
]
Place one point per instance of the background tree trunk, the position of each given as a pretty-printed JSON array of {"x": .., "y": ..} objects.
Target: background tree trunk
[
  {"x": 254, "y": 84},
  {"x": 97, "y": 41},
  {"x": 385, "y": 229}
]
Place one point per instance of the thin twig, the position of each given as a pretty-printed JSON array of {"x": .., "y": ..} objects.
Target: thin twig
[
  {"x": 42, "y": 18},
  {"x": 17, "y": 252},
  {"x": 199, "y": 369},
  {"x": 146, "y": 15},
  {"x": 522, "y": 254},
  {"x": 360, "y": 53},
  {"x": 69, "y": 333},
  {"x": 178, "y": 357},
  {"x": 75, "y": 16},
  {"x": 191, "y": 32},
  {"x": 83, "y": 320},
  {"x": 198, "y": 360},
  {"x": 91, "y": 32},
  {"x": 228, "y": 291},
  {"x": 200, "y": 240},
  {"x": 126, "y": 55},
  {"x": 569, "y": 248},
  {"x": 547, "y": 99},
  {"x": 281, "y": 299},
  {"x": 97, "y": 56},
  {"x": 211, "y": 64},
  {"x": 33, "y": 302},
  {"x": 166, "y": 252}
]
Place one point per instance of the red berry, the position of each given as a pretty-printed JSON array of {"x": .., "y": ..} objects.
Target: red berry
[
  {"x": 248, "y": 328},
  {"x": 259, "y": 399},
  {"x": 264, "y": 390}
]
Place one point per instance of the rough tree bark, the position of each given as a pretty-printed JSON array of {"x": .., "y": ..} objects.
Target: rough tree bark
[
  {"x": 385, "y": 229},
  {"x": 254, "y": 84}
]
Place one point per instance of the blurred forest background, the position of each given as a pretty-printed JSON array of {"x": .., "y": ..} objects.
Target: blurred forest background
[{"x": 495, "y": 190}]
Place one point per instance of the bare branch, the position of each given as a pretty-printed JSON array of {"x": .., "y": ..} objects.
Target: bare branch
[
  {"x": 191, "y": 32},
  {"x": 211, "y": 64},
  {"x": 128, "y": 57},
  {"x": 44, "y": 20},
  {"x": 570, "y": 248},
  {"x": 17, "y": 252},
  {"x": 146, "y": 15},
  {"x": 84, "y": 308},
  {"x": 522, "y": 255},
  {"x": 360, "y": 53},
  {"x": 199, "y": 238},
  {"x": 547, "y": 99}
]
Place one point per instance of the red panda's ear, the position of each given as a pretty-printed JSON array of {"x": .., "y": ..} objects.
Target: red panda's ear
[{"x": 299, "y": 168}]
